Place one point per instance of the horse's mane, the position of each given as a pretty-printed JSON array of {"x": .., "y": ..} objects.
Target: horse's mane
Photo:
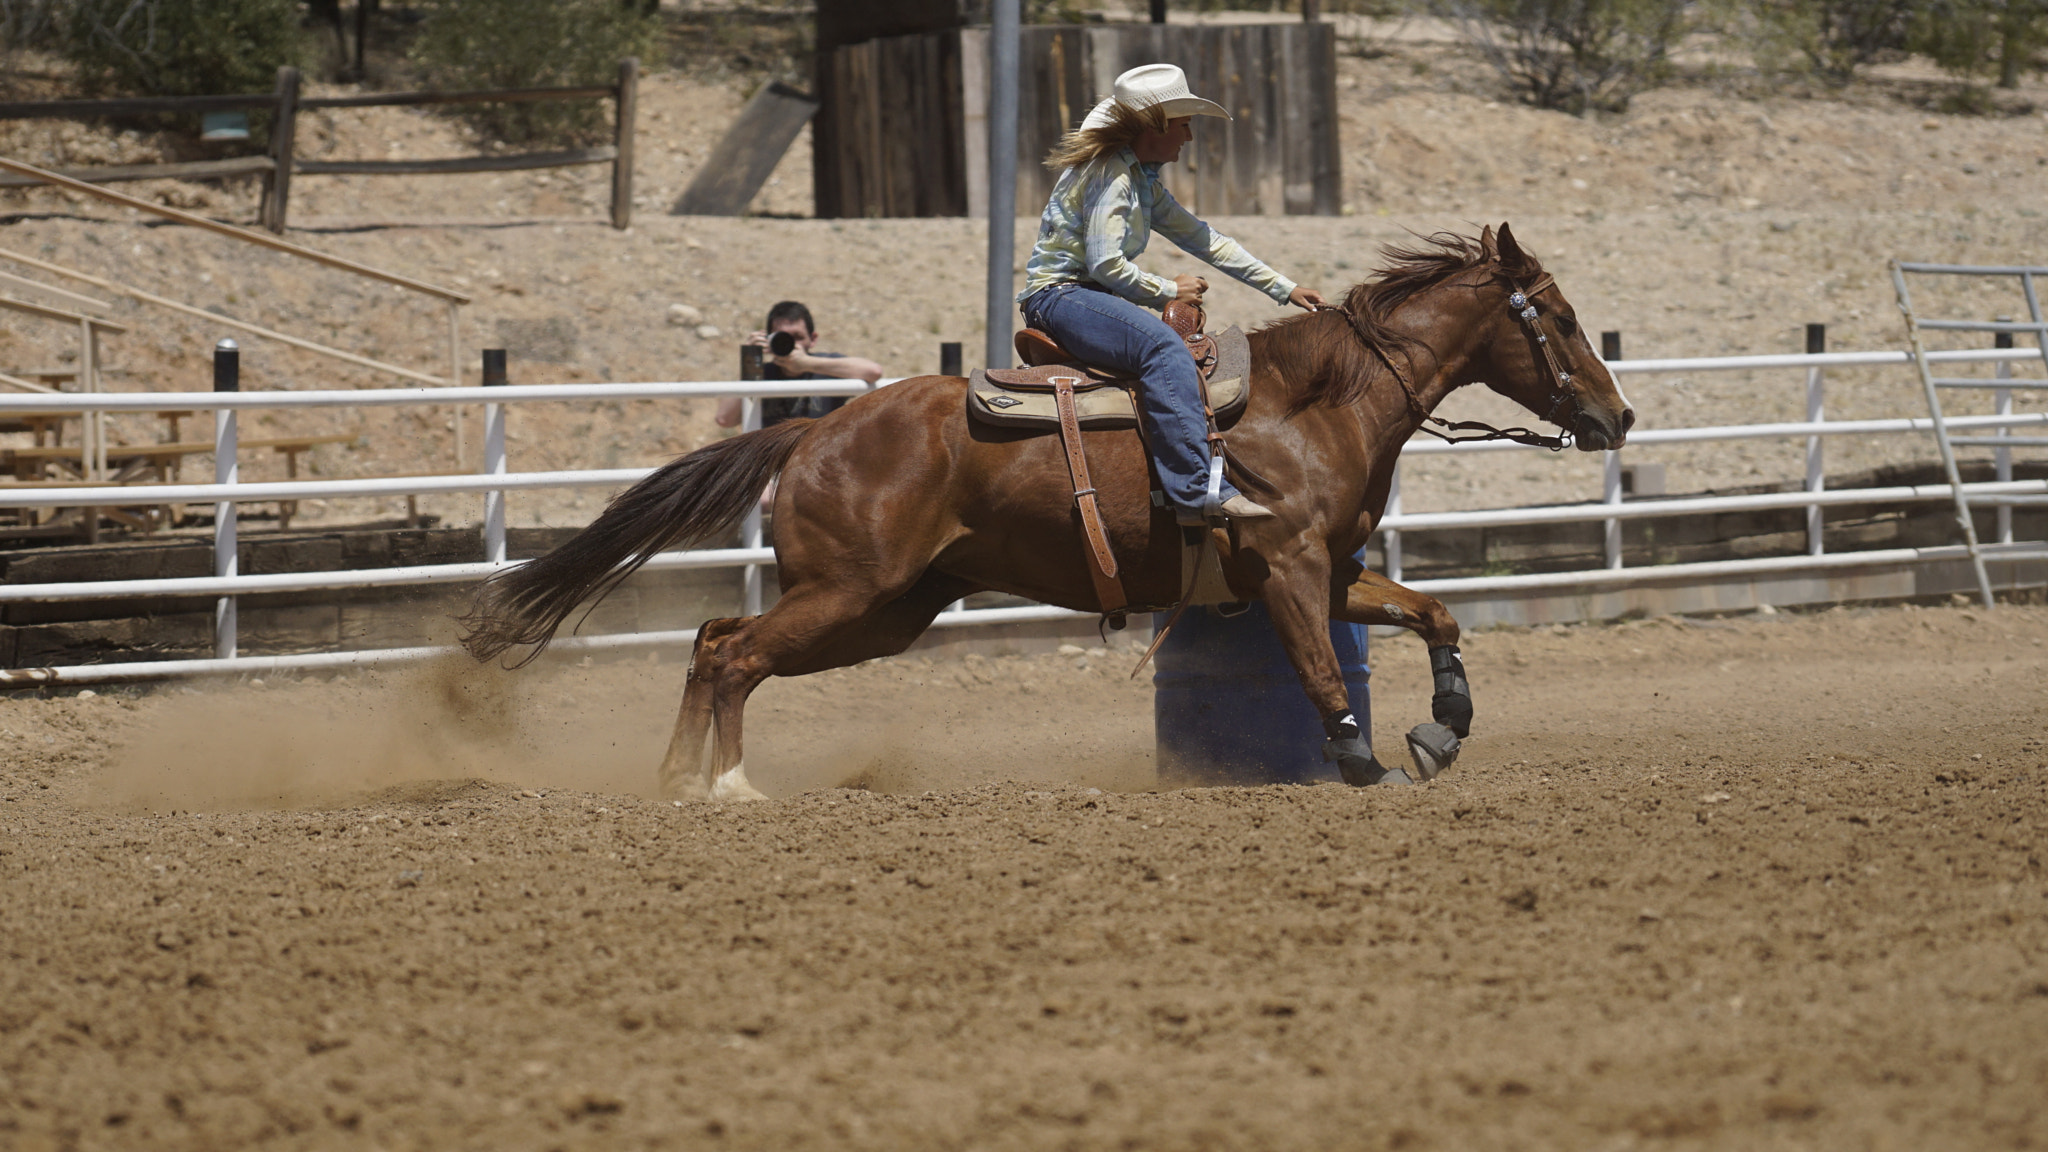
[{"x": 1336, "y": 359}]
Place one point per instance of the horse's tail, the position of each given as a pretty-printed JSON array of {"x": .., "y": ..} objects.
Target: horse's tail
[{"x": 682, "y": 502}]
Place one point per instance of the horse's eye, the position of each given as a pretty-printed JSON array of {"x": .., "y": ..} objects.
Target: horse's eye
[{"x": 1565, "y": 326}]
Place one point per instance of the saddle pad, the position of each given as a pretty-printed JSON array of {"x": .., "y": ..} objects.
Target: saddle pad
[{"x": 1100, "y": 405}]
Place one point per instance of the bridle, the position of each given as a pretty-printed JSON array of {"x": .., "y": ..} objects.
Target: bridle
[{"x": 1522, "y": 301}]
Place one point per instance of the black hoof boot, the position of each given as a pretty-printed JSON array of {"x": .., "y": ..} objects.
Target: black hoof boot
[
  {"x": 1452, "y": 704},
  {"x": 1356, "y": 763},
  {"x": 1433, "y": 748}
]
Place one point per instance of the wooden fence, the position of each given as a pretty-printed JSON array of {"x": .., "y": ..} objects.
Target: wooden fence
[
  {"x": 902, "y": 128},
  {"x": 284, "y": 105}
]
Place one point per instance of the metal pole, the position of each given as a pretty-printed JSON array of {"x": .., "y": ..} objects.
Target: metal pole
[
  {"x": 1964, "y": 519},
  {"x": 1816, "y": 475},
  {"x": 1390, "y": 539},
  {"x": 227, "y": 377},
  {"x": 1610, "y": 493},
  {"x": 750, "y": 528},
  {"x": 949, "y": 359},
  {"x": 2002, "y": 457},
  {"x": 1610, "y": 479},
  {"x": 494, "y": 458},
  {"x": 1002, "y": 179}
]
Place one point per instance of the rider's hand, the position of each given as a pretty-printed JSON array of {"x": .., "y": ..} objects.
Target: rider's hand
[
  {"x": 1307, "y": 298},
  {"x": 1188, "y": 288},
  {"x": 757, "y": 339}
]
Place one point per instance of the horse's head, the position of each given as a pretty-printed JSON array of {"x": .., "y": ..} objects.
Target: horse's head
[{"x": 1540, "y": 358}]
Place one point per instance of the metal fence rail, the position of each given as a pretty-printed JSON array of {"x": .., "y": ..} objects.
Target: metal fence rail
[{"x": 494, "y": 481}]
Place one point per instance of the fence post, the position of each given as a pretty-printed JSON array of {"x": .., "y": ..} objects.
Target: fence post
[
  {"x": 2002, "y": 405},
  {"x": 1816, "y": 475},
  {"x": 1610, "y": 481},
  {"x": 949, "y": 358},
  {"x": 494, "y": 458},
  {"x": 750, "y": 528},
  {"x": 227, "y": 377},
  {"x": 1390, "y": 539},
  {"x": 283, "y": 124},
  {"x": 622, "y": 142},
  {"x": 92, "y": 428}
]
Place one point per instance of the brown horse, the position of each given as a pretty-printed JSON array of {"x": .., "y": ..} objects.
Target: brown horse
[{"x": 896, "y": 505}]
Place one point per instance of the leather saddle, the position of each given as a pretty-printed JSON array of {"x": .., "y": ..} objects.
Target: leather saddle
[
  {"x": 1055, "y": 391},
  {"x": 1104, "y": 397}
]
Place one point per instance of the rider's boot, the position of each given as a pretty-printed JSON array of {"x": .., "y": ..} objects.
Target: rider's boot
[{"x": 1242, "y": 507}]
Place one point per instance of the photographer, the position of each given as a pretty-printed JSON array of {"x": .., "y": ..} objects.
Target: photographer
[{"x": 787, "y": 354}]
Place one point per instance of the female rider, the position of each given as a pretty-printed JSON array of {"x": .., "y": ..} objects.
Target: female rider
[{"x": 1082, "y": 289}]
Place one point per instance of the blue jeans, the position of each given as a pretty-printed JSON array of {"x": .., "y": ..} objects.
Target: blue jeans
[{"x": 1108, "y": 330}]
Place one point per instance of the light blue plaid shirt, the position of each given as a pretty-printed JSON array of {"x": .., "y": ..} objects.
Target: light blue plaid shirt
[{"x": 1099, "y": 219}]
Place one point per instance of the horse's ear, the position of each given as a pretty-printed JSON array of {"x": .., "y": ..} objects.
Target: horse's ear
[
  {"x": 1487, "y": 248},
  {"x": 1511, "y": 254}
]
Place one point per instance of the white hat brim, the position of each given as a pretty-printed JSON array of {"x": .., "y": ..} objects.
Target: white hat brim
[{"x": 1102, "y": 115}]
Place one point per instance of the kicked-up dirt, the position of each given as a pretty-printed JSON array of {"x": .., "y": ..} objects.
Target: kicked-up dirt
[{"x": 1774, "y": 882}]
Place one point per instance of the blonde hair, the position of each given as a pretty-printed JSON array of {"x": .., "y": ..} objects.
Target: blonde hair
[{"x": 1086, "y": 145}]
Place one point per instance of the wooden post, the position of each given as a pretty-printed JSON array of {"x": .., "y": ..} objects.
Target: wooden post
[
  {"x": 1610, "y": 346},
  {"x": 949, "y": 358},
  {"x": 622, "y": 139},
  {"x": 1311, "y": 11},
  {"x": 1159, "y": 11},
  {"x": 282, "y": 126}
]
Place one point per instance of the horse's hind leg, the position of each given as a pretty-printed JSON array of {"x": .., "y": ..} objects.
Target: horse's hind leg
[
  {"x": 813, "y": 627},
  {"x": 1374, "y": 599},
  {"x": 682, "y": 769}
]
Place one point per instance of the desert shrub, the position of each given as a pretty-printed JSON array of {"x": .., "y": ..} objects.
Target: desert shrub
[
  {"x": 180, "y": 47},
  {"x": 1978, "y": 40},
  {"x": 533, "y": 44},
  {"x": 1574, "y": 55},
  {"x": 1830, "y": 38}
]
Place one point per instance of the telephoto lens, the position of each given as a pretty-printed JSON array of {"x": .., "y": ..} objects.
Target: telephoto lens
[{"x": 781, "y": 344}]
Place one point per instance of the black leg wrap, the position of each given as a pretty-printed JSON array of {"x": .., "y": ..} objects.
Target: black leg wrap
[
  {"x": 1452, "y": 704},
  {"x": 1355, "y": 762}
]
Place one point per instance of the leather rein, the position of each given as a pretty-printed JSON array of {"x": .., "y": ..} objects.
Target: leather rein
[{"x": 1525, "y": 310}]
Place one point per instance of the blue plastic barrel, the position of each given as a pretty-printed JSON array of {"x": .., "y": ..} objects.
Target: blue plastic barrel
[{"x": 1227, "y": 708}]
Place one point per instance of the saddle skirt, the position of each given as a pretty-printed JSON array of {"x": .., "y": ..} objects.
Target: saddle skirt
[{"x": 1103, "y": 398}]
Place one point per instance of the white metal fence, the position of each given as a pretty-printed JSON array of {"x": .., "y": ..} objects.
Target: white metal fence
[{"x": 495, "y": 480}]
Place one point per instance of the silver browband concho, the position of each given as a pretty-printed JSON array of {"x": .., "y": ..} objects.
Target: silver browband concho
[{"x": 1517, "y": 300}]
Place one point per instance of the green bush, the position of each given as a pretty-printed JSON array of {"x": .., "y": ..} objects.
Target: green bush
[
  {"x": 181, "y": 47},
  {"x": 1977, "y": 40},
  {"x": 1574, "y": 55},
  {"x": 1830, "y": 38},
  {"x": 470, "y": 44},
  {"x": 28, "y": 24}
]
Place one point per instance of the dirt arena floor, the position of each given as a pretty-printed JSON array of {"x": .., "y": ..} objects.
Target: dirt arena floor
[{"x": 1773, "y": 882}]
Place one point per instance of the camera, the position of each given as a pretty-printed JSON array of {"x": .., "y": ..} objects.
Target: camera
[{"x": 781, "y": 343}]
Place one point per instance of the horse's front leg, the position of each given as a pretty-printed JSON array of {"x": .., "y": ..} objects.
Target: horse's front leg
[
  {"x": 1297, "y": 599},
  {"x": 1374, "y": 599}
]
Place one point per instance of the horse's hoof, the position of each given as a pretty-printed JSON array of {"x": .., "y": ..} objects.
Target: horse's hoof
[
  {"x": 1358, "y": 766},
  {"x": 1432, "y": 748},
  {"x": 732, "y": 785}
]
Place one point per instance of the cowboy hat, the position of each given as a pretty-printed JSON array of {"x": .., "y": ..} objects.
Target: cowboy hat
[{"x": 1149, "y": 84}]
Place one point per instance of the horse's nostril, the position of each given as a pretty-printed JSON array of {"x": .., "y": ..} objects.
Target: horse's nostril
[{"x": 1628, "y": 420}]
